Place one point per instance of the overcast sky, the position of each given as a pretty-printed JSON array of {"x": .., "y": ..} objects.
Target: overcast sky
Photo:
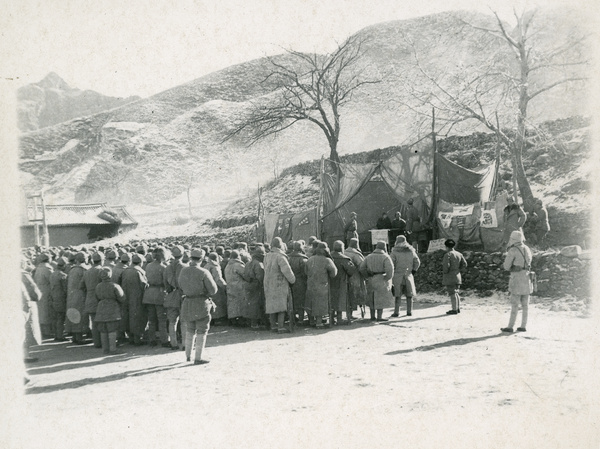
[{"x": 132, "y": 47}]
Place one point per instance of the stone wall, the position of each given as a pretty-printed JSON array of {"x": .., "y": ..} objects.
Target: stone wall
[{"x": 557, "y": 275}]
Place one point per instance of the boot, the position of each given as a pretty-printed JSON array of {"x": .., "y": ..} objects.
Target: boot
[
  {"x": 189, "y": 340},
  {"x": 409, "y": 303},
  {"x": 200, "y": 343},
  {"x": 104, "y": 342},
  {"x": 372, "y": 312},
  {"x": 396, "y": 307},
  {"x": 112, "y": 341}
]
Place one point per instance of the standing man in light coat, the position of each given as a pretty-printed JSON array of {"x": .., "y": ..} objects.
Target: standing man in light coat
[
  {"x": 41, "y": 276},
  {"x": 406, "y": 263},
  {"x": 173, "y": 299},
  {"x": 278, "y": 277},
  {"x": 452, "y": 263},
  {"x": 236, "y": 293},
  {"x": 154, "y": 298},
  {"x": 518, "y": 262},
  {"x": 378, "y": 269},
  {"x": 197, "y": 286}
]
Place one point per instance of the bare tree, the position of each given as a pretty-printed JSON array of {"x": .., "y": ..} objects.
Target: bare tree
[
  {"x": 502, "y": 85},
  {"x": 308, "y": 87}
]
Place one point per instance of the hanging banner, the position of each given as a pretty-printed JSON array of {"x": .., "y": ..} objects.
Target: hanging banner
[
  {"x": 462, "y": 210},
  {"x": 445, "y": 219},
  {"x": 436, "y": 245},
  {"x": 489, "y": 219}
]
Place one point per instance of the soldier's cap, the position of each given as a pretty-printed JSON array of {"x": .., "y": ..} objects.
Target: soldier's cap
[
  {"x": 338, "y": 246},
  {"x": 61, "y": 262},
  {"x": 197, "y": 253},
  {"x": 213, "y": 256},
  {"x": 136, "y": 258},
  {"x": 97, "y": 257},
  {"x": 450, "y": 243},
  {"x": 298, "y": 245},
  {"x": 259, "y": 250},
  {"x": 177, "y": 251},
  {"x": 234, "y": 254},
  {"x": 111, "y": 255},
  {"x": 380, "y": 245},
  {"x": 140, "y": 249},
  {"x": 80, "y": 257},
  {"x": 125, "y": 257},
  {"x": 322, "y": 245},
  {"x": 410, "y": 201},
  {"x": 44, "y": 257}
]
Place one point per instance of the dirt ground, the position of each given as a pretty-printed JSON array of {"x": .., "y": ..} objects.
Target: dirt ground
[{"x": 429, "y": 380}]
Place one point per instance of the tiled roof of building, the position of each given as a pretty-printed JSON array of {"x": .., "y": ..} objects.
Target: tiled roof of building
[{"x": 78, "y": 214}]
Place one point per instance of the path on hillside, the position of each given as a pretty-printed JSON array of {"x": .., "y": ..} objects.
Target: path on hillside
[{"x": 429, "y": 380}]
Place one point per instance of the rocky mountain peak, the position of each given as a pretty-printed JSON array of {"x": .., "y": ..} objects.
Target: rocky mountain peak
[{"x": 53, "y": 81}]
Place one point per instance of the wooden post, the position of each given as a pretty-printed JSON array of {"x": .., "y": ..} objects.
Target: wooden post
[
  {"x": 435, "y": 186},
  {"x": 45, "y": 235}
]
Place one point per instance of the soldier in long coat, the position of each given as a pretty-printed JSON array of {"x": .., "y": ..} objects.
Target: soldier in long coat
[
  {"x": 91, "y": 278},
  {"x": 41, "y": 276},
  {"x": 339, "y": 284},
  {"x": 118, "y": 269},
  {"x": 173, "y": 299},
  {"x": 357, "y": 291},
  {"x": 30, "y": 295},
  {"x": 278, "y": 277},
  {"x": 298, "y": 260},
  {"x": 197, "y": 286},
  {"x": 108, "y": 312},
  {"x": 134, "y": 283},
  {"x": 76, "y": 323},
  {"x": 378, "y": 269},
  {"x": 236, "y": 295},
  {"x": 254, "y": 273},
  {"x": 154, "y": 298},
  {"x": 58, "y": 292},
  {"x": 220, "y": 298},
  {"x": 406, "y": 263},
  {"x": 320, "y": 269}
]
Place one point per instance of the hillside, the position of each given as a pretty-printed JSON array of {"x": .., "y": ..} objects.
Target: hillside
[
  {"x": 52, "y": 101},
  {"x": 149, "y": 152}
]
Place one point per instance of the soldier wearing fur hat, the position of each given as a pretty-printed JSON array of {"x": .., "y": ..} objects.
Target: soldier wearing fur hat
[
  {"x": 220, "y": 298},
  {"x": 406, "y": 263},
  {"x": 58, "y": 292},
  {"x": 111, "y": 259},
  {"x": 108, "y": 312},
  {"x": 76, "y": 323},
  {"x": 236, "y": 295},
  {"x": 154, "y": 298},
  {"x": 320, "y": 269},
  {"x": 298, "y": 259},
  {"x": 378, "y": 269},
  {"x": 357, "y": 292},
  {"x": 452, "y": 263},
  {"x": 278, "y": 277},
  {"x": 91, "y": 278},
  {"x": 173, "y": 298},
  {"x": 339, "y": 284},
  {"x": 134, "y": 283},
  {"x": 197, "y": 286},
  {"x": 254, "y": 274},
  {"x": 41, "y": 276}
]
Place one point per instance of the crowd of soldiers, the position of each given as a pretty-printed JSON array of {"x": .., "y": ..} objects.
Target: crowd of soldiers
[{"x": 131, "y": 293}]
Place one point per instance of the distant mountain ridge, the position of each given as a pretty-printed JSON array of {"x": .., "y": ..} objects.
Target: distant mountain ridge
[
  {"x": 151, "y": 150},
  {"x": 52, "y": 101}
]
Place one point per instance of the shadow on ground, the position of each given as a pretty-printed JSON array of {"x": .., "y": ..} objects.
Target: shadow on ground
[{"x": 456, "y": 342}]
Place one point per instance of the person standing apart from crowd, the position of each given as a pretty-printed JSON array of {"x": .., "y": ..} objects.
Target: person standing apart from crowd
[
  {"x": 134, "y": 283},
  {"x": 91, "y": 278},
  {"x": 278, "y": 277},
  {"x": 384, "y": 222},
  {"x": 108, "y": 314},
  {"x": 378, "y": 269},
  {"x": 518, "y": 262},
  {"x": 320, "y": 269},
  {"x": 541, "y": 223},
  {"x": 411, "y": 214},
  {"x": 197, "y": 287},
  {"x": 30, "y": 295},
  {"x": 406, "y": 263},
  {"x": 514, "y": 219},
  {"x": 58, "y": 292},
  {"x": 452, "y": 263},
  {"x": 351, "y": 229}
]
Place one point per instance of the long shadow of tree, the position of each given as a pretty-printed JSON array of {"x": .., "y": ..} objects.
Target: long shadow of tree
[{"x": 456, "y": 342}]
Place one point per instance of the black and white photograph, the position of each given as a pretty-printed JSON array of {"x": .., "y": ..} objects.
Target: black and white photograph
[{"x": 296, "y": 224}]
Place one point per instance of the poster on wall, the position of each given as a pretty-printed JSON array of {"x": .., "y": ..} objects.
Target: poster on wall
[
  {"x": 489, "y": 219},
  {"x": 445, "y": 219},
  {"x": 436, "y": 245},
  {"x": 462, "y": 210}
]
